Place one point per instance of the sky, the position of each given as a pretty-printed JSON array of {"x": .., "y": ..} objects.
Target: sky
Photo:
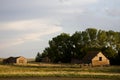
[{"x": 26, "y": 26}]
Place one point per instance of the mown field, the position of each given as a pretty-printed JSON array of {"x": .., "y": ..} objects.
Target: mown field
[
  {"x": 66, "y": 71},
  {"x": 52, "y": 78}
]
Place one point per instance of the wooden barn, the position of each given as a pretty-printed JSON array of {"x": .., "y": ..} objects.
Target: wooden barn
[
  {"x": 95, "y": 58},
  {"x": 75, "y": 61},
  {"x": 46, "y": 60},
  {"x": 17, "y": 60}
]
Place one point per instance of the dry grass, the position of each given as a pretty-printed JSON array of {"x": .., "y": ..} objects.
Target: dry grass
[
  {"x": 58, "y": 70},
  {"x": 51, "y": 78}
]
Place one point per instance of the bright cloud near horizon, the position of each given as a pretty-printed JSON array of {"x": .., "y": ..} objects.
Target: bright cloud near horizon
[
  {"x": 26, "y": 26},
  {"x": 34, "y": 30}
]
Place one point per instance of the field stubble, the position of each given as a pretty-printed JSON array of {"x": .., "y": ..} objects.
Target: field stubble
[{"x": 59, "y": 70}]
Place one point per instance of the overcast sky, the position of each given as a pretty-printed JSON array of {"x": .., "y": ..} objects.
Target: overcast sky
[{"x": 26, "y": 26}]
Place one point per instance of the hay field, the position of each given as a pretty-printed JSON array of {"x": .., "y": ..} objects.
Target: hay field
[
  {"x": 58, "y": 70},
  {"x": 51, "y": 78}
]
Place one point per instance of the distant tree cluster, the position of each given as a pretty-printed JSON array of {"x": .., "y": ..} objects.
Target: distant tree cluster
[
  {"x": 38, "y": 58},
  {"x": 64, "y": 47}
]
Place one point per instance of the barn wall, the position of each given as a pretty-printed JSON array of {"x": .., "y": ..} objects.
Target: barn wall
[
  {"x": 46, "y": 59},
  {"x": 21, "y": 60},
  {"x": 96, "y": 62},
  {"x": 9, "y": 60}
]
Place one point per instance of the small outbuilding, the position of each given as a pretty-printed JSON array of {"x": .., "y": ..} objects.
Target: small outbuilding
[
  {"x": 17, "y": 60},
  {"x": 75, "y": 61},
  {"x": 96, "y": 58},
  {"x": 46, "y": 59}
]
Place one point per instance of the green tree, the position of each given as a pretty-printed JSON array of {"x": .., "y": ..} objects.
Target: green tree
[
  {"x": 92, "y": 32},
  {"x": 38, "y": 57},
  {"x": 76, "y": 45},
  {"x": 102, "y": 38},
  {"x": 59, "y": 49},
  {"x": 64, "y": 47}
]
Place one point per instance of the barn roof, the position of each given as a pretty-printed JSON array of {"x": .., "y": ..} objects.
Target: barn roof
[
  {"x": 13, "y": 60},
  {"x": 89, "y": 56},
  {"x": 14, "y": 57}
]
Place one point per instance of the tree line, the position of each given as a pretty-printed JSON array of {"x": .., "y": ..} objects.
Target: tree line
[{"x": 64, "y": 47}]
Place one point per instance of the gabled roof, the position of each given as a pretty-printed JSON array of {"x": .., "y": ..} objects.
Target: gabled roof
[
  {"x": 89, "y": 56},
  {"x": 14, "y": 57},
  {"x": 13, "y": 60}
]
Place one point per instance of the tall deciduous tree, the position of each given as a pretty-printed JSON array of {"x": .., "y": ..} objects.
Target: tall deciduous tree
[
  {"x": 38, "y": 57},
  {"x": 102, "y": 38},
  {"x": 64, "y": 47}
]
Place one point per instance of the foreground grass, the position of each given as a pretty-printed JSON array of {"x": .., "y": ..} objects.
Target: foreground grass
[{"x": 59, "y": 70}]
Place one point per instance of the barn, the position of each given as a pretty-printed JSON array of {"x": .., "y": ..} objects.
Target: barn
[
  {"x": 96, "y": 58},
  {"x": 17, "y": 60},
  {"x": 46, "y": 60}
]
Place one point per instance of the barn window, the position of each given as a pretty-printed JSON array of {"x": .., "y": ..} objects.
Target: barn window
[{"x": 100, "y": 58}]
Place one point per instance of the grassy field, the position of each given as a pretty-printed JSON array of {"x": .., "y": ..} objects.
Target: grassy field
[
  {"x": 51, "y": 78},
  {"x": 58, "y": 70}
]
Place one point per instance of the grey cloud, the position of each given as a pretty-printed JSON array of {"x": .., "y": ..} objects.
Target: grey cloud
[
  {"x": 29, "y": 9},
  {"x": 69, "y": 16},
  {"x": 26, "y": 9},
  {"x": 113, "y": 12}
]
